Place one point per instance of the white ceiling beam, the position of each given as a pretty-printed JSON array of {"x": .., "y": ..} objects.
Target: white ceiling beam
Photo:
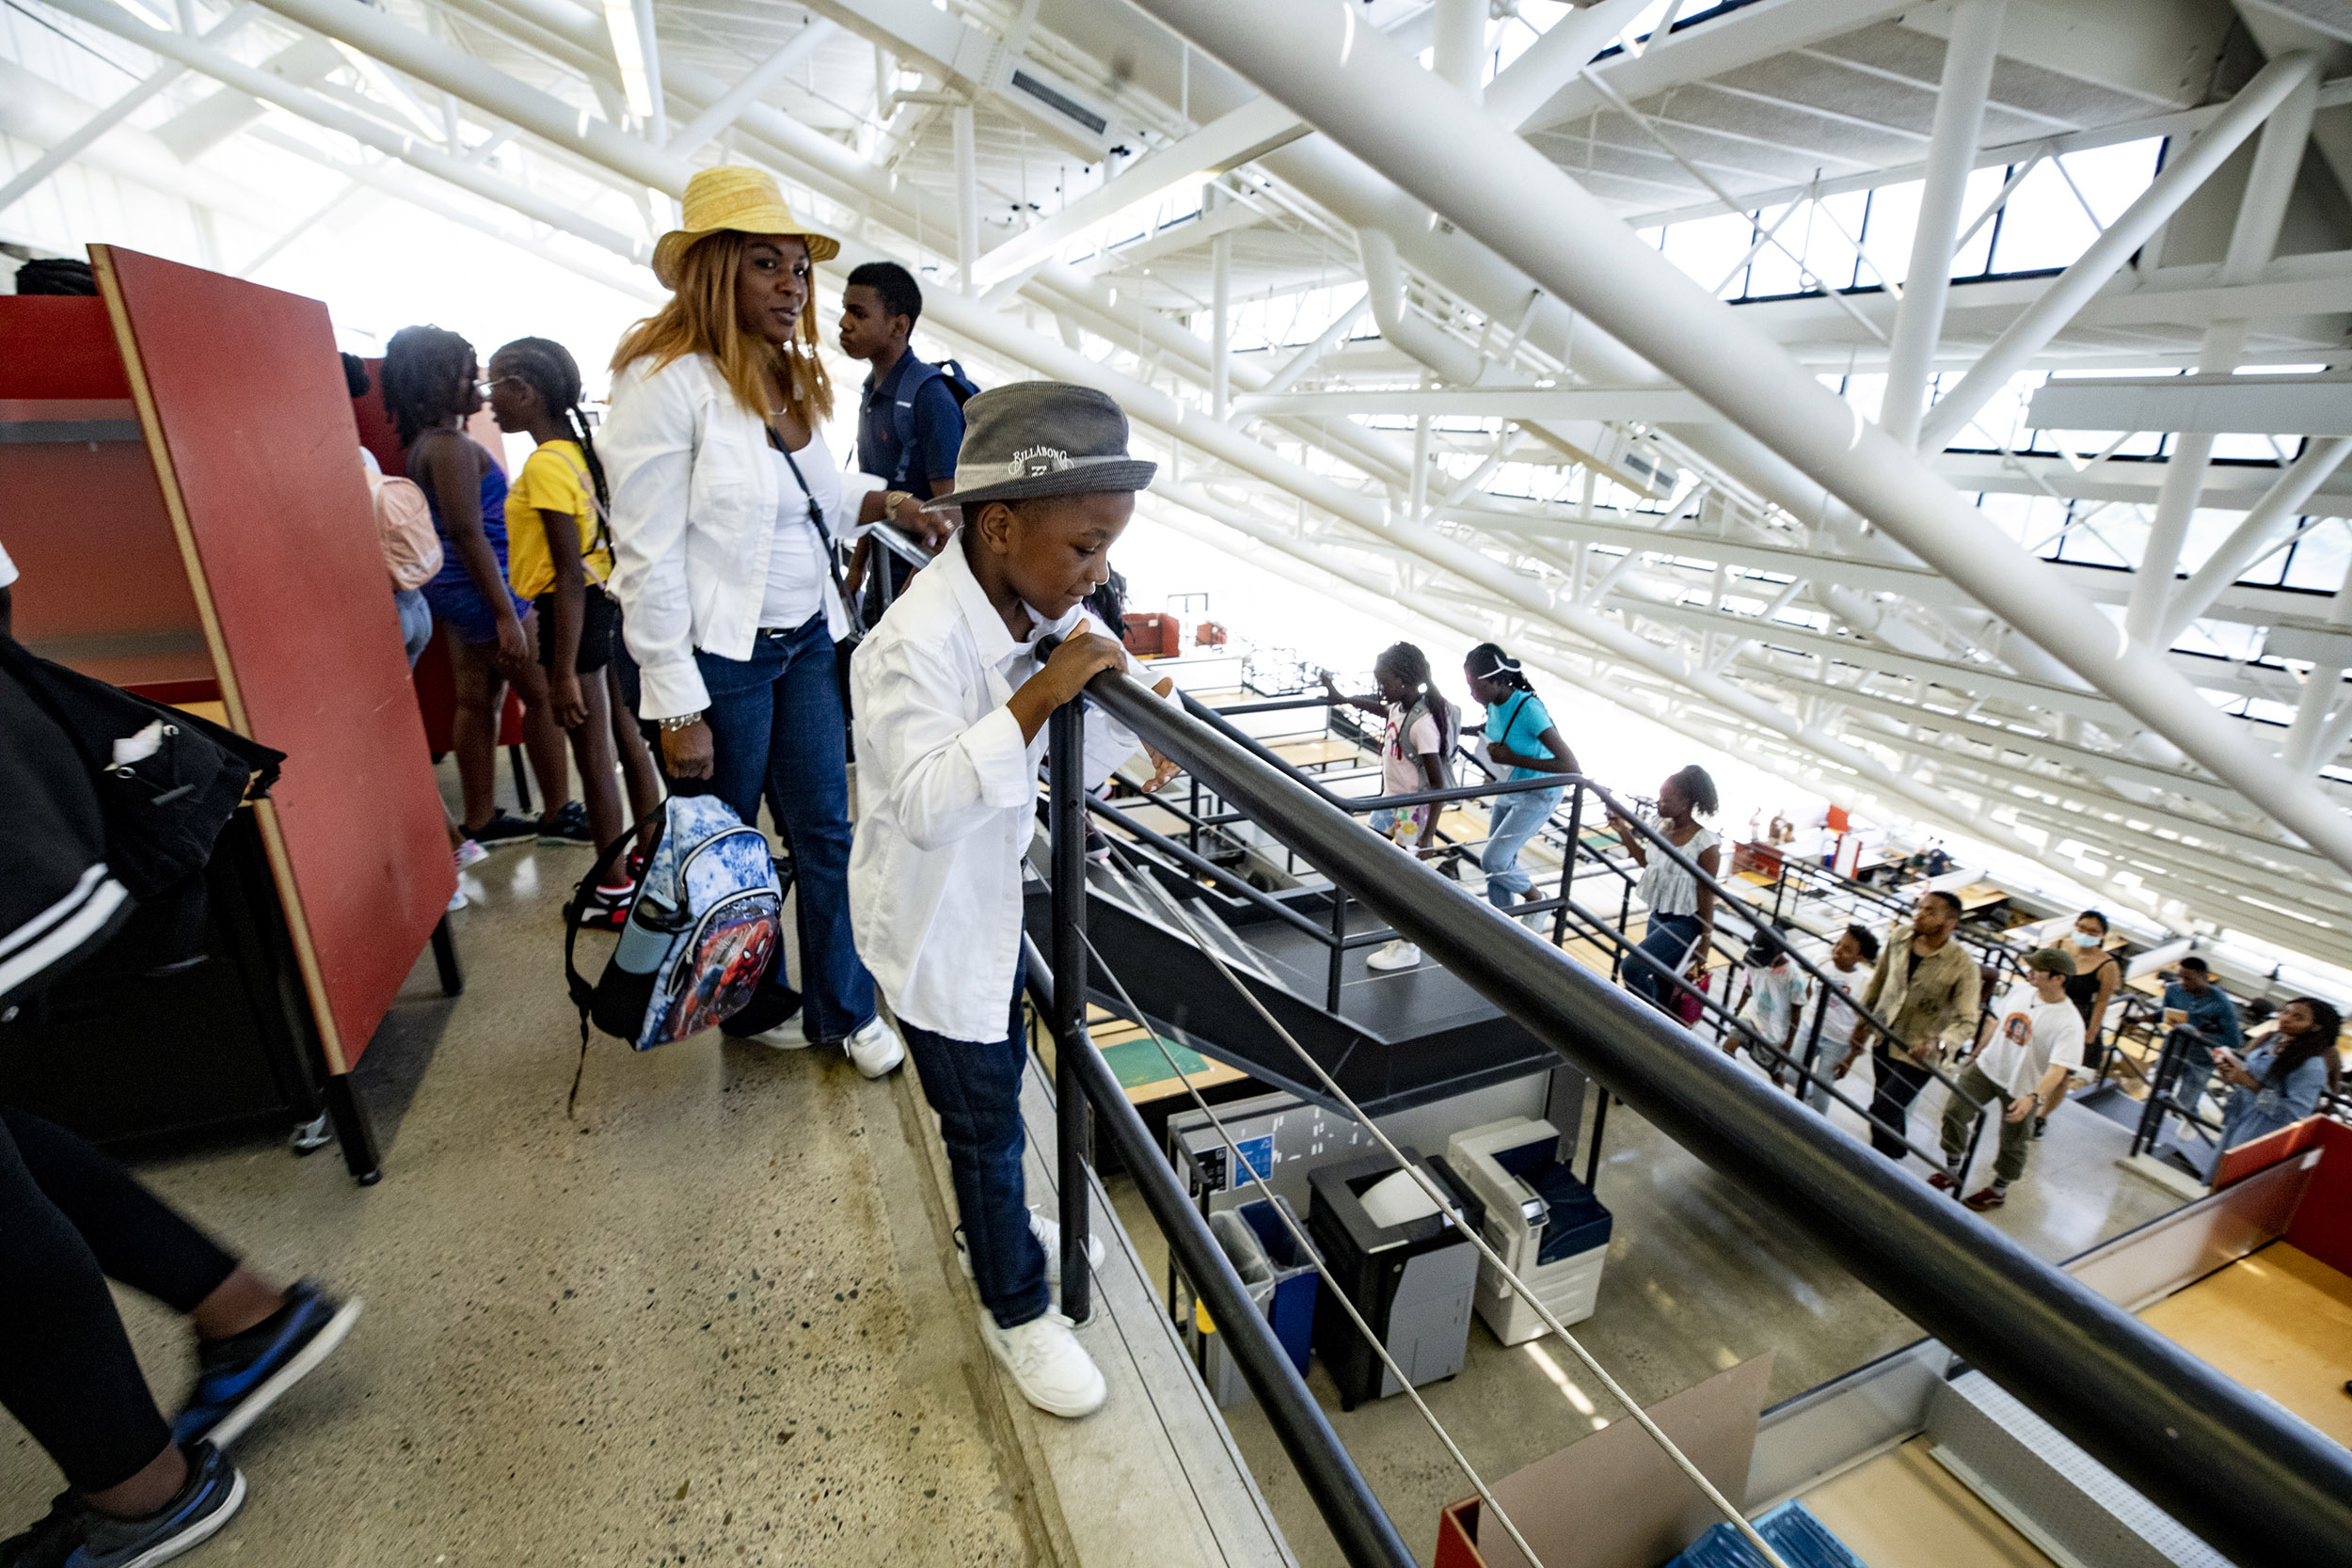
[
  {"x": 755, "y": 85},
  {"x": 2257, "y": 405},
  {"x": 358, "y": 127},
  {"x": 1713, "y": 48},
  {"x": 1650, "y": 406},
  {"x": 1233, "y": 138},
  {"x": 2180, "y": 123},
  {"x": 68, "y": 148},
  {"x": 2229, "y": 486}
]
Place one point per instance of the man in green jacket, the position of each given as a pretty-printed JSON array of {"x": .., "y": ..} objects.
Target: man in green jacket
[{"x": 1925, "y": 987}]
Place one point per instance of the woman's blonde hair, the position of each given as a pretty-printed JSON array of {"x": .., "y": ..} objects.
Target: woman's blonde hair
[{"x": 700, "y": 318}]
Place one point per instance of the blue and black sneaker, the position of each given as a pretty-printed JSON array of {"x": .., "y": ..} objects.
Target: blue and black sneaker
[
  {"x": 77, "y": 1536},
  {"x": 239, "y": 1377}
]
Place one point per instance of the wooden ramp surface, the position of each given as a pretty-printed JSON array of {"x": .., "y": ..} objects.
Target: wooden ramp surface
[
  {"x": 1904, "y": 1510},
  {"x": 2279, "y": 1322}
]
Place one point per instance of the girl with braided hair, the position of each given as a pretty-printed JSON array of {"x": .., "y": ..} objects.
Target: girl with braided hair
[
  {"x": 558, "y": 556},
  {"x": 1519, "y": 736}
]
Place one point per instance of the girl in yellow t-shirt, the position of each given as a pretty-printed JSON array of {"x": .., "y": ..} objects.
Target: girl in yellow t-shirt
[{"x": 558, "y": 555}]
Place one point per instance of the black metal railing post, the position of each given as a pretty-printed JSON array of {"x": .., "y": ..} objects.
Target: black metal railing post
[
  {"x": 1567, "y": 866},
  {"x": 1066, "y": 820},
  {"x": 1339, "y": 947}
]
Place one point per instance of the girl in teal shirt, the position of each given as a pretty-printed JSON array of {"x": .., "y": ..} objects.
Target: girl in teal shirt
[{"x": 1521, "y": 736}]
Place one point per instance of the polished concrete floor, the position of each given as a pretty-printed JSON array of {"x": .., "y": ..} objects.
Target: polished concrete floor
[
  {"x": 1700, "y": 1276},
  {"x": 705, "y": 1319}
]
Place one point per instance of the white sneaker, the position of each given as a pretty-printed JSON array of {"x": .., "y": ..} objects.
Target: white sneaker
[
  {"x": 470, "y": 853},
  {"x": 875, "y": 1049},
  {"x": 788, "y": 1036},
  {"x": 456, "y": 901},
  {"x": 1399, "y": 954},
  {"x": 1048, "y": 1234},
  {"x": 1048, "y": 1365}
]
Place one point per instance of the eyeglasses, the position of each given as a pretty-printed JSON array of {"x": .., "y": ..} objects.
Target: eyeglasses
[{"x": 484, "y": 388}]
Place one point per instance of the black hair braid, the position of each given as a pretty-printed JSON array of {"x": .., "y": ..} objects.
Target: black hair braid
[
  {"x": 547, "y": 368},
  {"x": 422, "y": 366}
]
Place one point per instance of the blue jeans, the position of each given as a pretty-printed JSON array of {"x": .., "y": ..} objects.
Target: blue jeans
[
  {"x": 1649, "y": 969},
  {"x": 416, "y": 621},
  {"x": 776, "y": 721},
  {"x": 975, "y": 1087},
  {"x": 1513, "y": 820}
]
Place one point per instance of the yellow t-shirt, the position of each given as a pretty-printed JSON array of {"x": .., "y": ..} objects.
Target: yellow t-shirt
[{"x": 554, "y": 479}]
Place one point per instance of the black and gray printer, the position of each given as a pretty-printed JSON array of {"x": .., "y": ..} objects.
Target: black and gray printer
[{"x": 1404, "y": 1264}]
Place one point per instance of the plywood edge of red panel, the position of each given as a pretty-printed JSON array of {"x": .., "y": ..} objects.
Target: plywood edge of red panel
[{"x": 250, "y": 453}]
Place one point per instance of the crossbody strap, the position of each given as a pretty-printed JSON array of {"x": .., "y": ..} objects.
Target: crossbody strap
[{"x": 816, "y": 521}]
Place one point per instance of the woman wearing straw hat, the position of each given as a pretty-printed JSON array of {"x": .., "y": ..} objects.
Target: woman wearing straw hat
[{"x": 723, "y": 496}]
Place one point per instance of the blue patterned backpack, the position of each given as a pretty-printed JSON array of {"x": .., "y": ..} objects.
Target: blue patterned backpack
[{"x": 706, "y": 925}]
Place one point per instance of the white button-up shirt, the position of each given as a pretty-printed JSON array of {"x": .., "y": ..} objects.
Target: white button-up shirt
[
  {"x": 947, "y": 798},
  {"x": 694, "y": 521}
]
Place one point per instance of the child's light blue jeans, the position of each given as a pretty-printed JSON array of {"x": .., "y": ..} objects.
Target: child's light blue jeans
[{"x": 1515, "y": 819}]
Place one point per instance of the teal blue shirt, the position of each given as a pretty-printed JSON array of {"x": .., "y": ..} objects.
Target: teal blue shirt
[{"x": 1518, "y": 723}]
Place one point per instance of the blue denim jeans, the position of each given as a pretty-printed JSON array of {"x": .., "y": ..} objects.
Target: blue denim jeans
[
  {"x": 1514, "y": 821},
  {"x": 975, "y": 1087},
  {"x": 1650, "y": 968},
  {"x": 416, "y": 621},
  {"x": 776, "y": 724}
]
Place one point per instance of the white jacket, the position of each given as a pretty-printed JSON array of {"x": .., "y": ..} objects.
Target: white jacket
[
  {"x": 693, "y": 517},
  {"x": 947, "y": 798}
]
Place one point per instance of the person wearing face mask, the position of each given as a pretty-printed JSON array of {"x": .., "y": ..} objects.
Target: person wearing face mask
[
  {"x": 723, "y": 501},
  {"x": 2096, "y": 979}
]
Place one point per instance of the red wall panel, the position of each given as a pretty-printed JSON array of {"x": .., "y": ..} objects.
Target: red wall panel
[{"x": 247, "y": 392}]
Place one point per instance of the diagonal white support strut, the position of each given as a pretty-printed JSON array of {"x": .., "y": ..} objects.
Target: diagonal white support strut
[{"x": 1379, "y": 104}]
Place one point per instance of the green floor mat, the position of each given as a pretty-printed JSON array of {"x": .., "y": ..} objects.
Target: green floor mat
[{"x": 1139, "y": 1062}]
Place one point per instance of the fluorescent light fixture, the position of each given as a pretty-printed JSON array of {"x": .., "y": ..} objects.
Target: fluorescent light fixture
[{"x": 629, "y": 52}]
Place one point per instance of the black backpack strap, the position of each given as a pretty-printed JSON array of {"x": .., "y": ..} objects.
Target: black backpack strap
[{"x": 584, "y": 991}]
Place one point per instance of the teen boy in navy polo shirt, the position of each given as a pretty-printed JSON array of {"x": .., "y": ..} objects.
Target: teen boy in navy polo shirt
[{"x": 880, "y": 306}]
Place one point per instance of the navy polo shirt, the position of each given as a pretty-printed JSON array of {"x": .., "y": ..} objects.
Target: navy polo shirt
[{"x": 938, "y": 430}]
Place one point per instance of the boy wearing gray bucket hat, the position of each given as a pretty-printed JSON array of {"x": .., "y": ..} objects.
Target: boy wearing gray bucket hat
[{"x": 951, "y": 696}]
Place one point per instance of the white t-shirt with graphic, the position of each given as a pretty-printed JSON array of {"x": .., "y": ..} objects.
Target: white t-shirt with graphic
[{"x": 2030, "y": 1036}]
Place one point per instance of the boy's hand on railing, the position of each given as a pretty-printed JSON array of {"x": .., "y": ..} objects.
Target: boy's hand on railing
[{"x": 1083, "y": 656}]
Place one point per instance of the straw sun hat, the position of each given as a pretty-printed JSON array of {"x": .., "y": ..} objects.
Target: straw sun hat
[{"x": 737, "y": 197}]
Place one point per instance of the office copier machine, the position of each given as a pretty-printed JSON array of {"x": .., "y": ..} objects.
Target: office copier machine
[{"x": 1543, "y": 1222}]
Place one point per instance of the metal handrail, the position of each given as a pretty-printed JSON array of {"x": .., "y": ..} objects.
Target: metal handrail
[{"x": 2258, "y": 1484}]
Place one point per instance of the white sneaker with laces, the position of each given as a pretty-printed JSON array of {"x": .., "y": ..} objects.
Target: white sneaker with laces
[
  {"x": 788, "y": 1036},
  {"x": 1048, "y": 1365},
  {"x": 1048, "y": 1234},
  {"x": 1399, "y": 954},
  {"x": 875, "y": 1049}
]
